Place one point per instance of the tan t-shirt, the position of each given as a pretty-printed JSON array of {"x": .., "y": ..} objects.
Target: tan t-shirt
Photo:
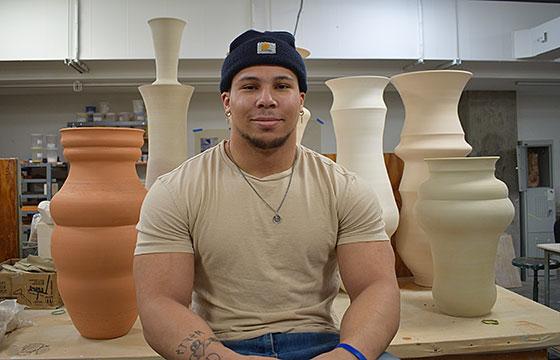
[{"x": 253, "y": 276}]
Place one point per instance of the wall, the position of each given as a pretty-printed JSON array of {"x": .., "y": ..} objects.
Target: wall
[
  {"x": 22, "y": 115},
  {"x": 538, "y": 118},
  {"x": 486, "y": 118},
  {"x": 406, "y": 29},
  {"x": 33, "y": 29},
  {"x": 331, "y": 29},
  {"x": 489, "y": 119},
  {"x": 47, "y": 113},
  {"x": 118, "y": 29}
]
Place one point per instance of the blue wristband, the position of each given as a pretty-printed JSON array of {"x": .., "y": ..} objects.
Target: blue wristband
[{"x": 352, "y": 350}]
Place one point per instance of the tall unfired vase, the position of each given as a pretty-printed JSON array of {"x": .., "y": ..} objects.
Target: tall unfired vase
[
  {"x": 93, "y": 241},
  {"x": 303, "y": 120},
  {"x": 463, "y": 209},
  {"x": 358, "y": 113},
  {"x": 431, "y": 129},
  {"x": 166, "y": 101},
  {"x": 166, "y": 37},
  {"x": 302, "y": 124}
]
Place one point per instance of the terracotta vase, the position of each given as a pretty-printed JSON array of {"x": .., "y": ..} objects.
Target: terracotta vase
[
  {"x": 93, "y": 241},
  {"x": 431, "y": 129},
  {"x": 358, "y": 113},
  {"x": 167, "y": 102},
  {"x": 302, "y": 124},
  {"x": 463, "y": 209}
]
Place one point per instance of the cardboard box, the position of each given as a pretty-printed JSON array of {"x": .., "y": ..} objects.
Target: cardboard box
[{"x": 36, "y": 290}]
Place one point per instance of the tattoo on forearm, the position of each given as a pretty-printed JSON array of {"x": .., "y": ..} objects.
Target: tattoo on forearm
[{"x": 198, "y": 347}]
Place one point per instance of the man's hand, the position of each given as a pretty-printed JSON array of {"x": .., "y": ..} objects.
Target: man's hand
[{"x": 335, "y": 354}]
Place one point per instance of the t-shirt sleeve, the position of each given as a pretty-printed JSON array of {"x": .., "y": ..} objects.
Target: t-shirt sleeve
[
  {"x": 360, "y": 217},
  {"x": 163, "y": 225}
]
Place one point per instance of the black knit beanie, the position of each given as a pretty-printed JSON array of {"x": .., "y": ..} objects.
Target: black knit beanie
[{"x": 263, "y": 48}]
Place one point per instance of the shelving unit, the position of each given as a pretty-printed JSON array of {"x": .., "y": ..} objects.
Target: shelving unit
[{"x": 35, "y": 185}]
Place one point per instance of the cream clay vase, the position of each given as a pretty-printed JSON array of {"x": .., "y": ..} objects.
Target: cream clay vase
[
  {"x": 304, "y": 119},
  {"x": 358, "y": 112},
  {"x": 463, "y": 209},
  {"x": 167, "y": 102},
  {"x": 431, "y": 129},
  {"x": 302, "y": 124}
]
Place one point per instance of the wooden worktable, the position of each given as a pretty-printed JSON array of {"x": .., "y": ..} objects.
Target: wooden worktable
[{"x": 523, "y": 327}]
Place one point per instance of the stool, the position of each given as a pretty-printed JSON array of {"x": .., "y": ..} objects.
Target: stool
[{"x": 535, "y": 264}]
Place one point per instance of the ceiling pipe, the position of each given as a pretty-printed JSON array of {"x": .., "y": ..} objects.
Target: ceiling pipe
[
  {"x": 420, "y": 59},
  {"x": 74, "y": 38}
]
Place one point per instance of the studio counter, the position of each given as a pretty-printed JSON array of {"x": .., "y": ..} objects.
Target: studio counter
[{"x": 517, "y": 328}]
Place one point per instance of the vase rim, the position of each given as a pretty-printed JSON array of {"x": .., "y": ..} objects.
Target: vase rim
[
  {"x": 462, "y": 72},
  {"x": 100, "y": 128},
  {"x": 357, "y": 77},
  {"x": 177, "y": 85},
  {"x": 303, "y": 52},
  {"x": 166, "y": 18}
]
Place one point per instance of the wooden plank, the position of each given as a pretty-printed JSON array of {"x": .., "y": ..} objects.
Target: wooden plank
[
  {"x": 9, "y": 224},
  {"x": 524, "y": 329},
  {"x": 55, "y": 337},
  {"x": 425, "y": 332},
  {"x": 523, "y": 355}
]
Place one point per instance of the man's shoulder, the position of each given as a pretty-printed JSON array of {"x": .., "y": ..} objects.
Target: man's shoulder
[
  {"x": 196, "y": 167},
  {"x": 313, "y": 159}
]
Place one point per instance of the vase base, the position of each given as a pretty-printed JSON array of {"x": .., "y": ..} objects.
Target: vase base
[
  {"x": 465, "y": 314},
  {"x": 423, "y": 281},
  {"x": 102, "y": 330}
]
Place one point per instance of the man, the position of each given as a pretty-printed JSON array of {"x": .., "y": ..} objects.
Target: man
[{"x": 256, "y": 228}]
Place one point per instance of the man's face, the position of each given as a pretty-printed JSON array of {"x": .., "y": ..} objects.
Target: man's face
[{"x": 264, "y": 102}]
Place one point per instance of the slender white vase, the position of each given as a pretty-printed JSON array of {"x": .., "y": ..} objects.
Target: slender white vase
[
  {"x": 302, "y": 124},
  {"x": 463, "y": 209},
  {"x": 431, "y": 129},
  {"x": 166, "y": 101},
  {"x": 166, "y": 37},
  {"x": 167, "y": 136},
  {"x": 358, "y": 113}
]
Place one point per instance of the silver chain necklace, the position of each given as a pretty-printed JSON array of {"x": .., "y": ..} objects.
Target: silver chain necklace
[{"x": 277, "y": 219}]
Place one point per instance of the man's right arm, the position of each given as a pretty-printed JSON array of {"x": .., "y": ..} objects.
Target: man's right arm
[{"x": 164, "y": 283}]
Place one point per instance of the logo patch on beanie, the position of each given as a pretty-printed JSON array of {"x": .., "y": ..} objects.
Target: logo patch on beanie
[{"x": 266, "y": 47}]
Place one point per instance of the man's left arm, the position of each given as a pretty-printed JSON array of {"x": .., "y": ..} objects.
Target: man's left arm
[{"x": 372, "y": 320}]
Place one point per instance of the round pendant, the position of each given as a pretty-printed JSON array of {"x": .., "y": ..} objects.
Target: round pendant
[{"x": 276, "y": 219}]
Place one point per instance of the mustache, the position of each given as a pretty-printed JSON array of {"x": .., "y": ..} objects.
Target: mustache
[{"x": 265, "y": 114}]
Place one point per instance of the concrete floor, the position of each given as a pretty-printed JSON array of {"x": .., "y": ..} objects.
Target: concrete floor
[{"x": 527, "y": 291}]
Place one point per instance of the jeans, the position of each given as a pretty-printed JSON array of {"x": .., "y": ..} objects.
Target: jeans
[{"x": 290, "y": 346}]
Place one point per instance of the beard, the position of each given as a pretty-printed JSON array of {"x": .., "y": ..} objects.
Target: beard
[{"x": 265, "y": 144}]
